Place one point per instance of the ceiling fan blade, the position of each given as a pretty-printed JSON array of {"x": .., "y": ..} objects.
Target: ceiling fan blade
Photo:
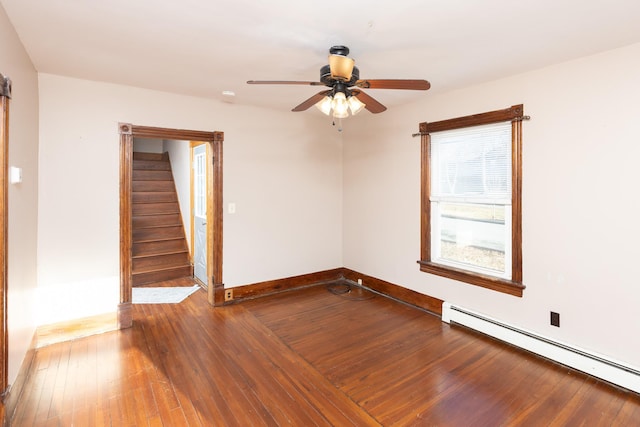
[
  {"x": 283, "y": 82},
  {"x": 394, "y": 84},
  {"x": 369, "y": 103},
  {"x": 311, "y": 101}
]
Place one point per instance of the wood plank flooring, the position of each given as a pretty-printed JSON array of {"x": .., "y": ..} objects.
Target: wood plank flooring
[{"x": 310, "y": 357}]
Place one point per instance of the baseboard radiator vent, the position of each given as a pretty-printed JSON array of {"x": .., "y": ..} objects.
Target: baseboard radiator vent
[{"x": 593, "y": 364}]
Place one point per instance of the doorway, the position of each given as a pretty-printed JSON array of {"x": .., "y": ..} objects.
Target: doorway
[{"x": 212, "y": 205}]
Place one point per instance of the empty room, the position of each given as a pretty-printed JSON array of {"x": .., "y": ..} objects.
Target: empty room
[{"x": 292, "y": 213}]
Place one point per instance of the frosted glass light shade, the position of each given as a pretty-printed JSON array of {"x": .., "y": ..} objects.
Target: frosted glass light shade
[
  {"x": 355, "y": 105},
  {"x": 340, "y": 106},
  {"x": 324, "y": 105}
]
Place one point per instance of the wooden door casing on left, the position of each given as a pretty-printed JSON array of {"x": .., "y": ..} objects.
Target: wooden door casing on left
[{"x": 5, "y": 95}]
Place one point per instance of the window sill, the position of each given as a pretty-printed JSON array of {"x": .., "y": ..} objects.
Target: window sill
[{"x": 493, "y": 283}]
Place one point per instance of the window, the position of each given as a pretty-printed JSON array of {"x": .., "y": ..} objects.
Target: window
[
  {"x": 471, "y": 199},
  {"x": 199, "y": 183}
]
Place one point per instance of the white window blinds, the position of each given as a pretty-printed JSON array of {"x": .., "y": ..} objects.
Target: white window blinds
[{"x": 472, "y": 163}]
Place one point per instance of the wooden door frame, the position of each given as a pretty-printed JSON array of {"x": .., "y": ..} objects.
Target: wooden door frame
[
  {"x": 5, "y": 95},
  {"x": 127, "y": 131}
]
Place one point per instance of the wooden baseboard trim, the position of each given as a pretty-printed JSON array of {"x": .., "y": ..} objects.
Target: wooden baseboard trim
[
  {"x": 269, "y": 287},
  {"x": 13, "y": 394},
  {"x": 425, "y": 302},
  {"x": 125, "y": 315},
  {"x": 256, "y": 290}
]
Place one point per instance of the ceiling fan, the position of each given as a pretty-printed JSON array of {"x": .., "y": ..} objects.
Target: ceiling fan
[{"x": 344, "y": 96}]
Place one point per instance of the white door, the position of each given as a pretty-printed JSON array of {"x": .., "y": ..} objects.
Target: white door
[{"x": 200, "y": 213}]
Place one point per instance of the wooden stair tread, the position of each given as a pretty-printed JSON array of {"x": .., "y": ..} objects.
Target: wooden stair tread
[
  {"x": 138, "y": 186},
  {"x": 146, "y": 165},
  {"x": 140, "y": 197},
  {"x": 184, "y": 251},
  {"x": 140, "y": 155},
  {"x": 159, "y": 276},
  {"x": 162, "y": 204},
  {"x": 141, "y": 215},
  {"x": 159, "y": 269},
  {"x": 161, "y": 262},
  {"x": 174, "y": 224},
  {"x": 146, "y": 214},
  {"x": 159, "y": 239},
  {"x": 146, "y": 227},
  {"x": 152, "y": 193},
  {"x": 158, "y": 214},
  {"x": 144, "y": 209}
]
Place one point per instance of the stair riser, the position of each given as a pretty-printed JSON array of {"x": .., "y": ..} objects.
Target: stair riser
[
  {"x": 152, "y": 175},
  {"x": 147, "y": 186},
  {"x": 160, "y": 261},
  {"x": 137, "y": 155},
  {"x": 159, "y": 276},
  {"x": 156, "y": 220},
  {"x": 155, "y": 208},
  {"x": 151, "y": 165},
  {"x": 154, "y": 197},
  {"x": 161, "y": 246},
  {"x": 160, "y": 233}
]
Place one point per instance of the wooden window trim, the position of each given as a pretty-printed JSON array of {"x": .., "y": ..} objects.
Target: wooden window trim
[{"x": 515, "y": 114}]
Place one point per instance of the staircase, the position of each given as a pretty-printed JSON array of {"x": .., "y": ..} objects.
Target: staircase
[{"x": 159, "y": 250}]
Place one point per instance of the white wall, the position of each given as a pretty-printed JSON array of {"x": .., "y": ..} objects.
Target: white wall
[
  {"x": 23, "y": 197},
  {"x": 147, "y": 145},
  {"x": 283, "y": 171},
  {"x": 180, "y": 158},
  {"x": 580, "y": 201}
]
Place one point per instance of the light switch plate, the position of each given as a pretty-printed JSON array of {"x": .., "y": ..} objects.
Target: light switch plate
[{"x": 15, "y": 175}]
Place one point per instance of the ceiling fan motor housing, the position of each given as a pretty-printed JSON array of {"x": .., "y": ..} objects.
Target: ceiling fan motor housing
[
  {"x": 325, "y": 76},
  {"x": 339, "y": 50}
]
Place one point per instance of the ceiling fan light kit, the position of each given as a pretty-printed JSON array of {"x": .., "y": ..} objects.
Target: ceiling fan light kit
[
  {"x": 355, "y": 105},
  {"x": 339, "y": 102},
  {"x": 340, "y": 106},
  {"x": 341, "y": 75}
]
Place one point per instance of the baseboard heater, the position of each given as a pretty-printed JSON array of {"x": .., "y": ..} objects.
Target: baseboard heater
[{"x": 593, "y": 364}]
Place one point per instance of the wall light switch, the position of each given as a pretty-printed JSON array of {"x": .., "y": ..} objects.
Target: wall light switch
[
  {"x": 15, "y": 175},
  {"x": 232, "y": 208}
]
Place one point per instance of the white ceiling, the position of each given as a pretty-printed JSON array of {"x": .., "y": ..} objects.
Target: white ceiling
[{"x": 202, "y": 47}]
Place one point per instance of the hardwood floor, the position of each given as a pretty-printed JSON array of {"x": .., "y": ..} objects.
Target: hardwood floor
[{"x": 305, "y": 358}]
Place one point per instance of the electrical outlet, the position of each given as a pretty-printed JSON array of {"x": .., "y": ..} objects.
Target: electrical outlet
[
  {"x": 228, "y": 294},
  {"x": 555, "y": 319},
  {"x": 360, "y": 282}
]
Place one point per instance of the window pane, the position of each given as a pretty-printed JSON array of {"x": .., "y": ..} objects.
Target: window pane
[
  {"x": 472, "y": 162},
  {"x": 199, "y": 178},
  {"x": 473, "y": 235}
]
